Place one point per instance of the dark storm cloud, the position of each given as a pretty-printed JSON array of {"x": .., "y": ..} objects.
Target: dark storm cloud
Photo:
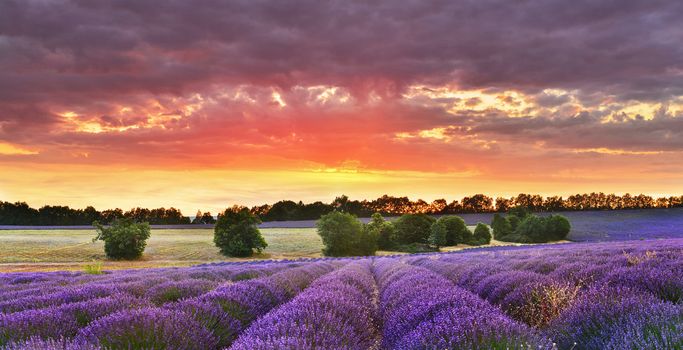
[{"x": 627, "y": 47}]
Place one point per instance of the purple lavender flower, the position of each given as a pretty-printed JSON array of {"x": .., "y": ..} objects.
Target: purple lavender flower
[
  {"x": 604, "y": 315},
  {"x": 149, "y": 328},
  {"x": 335, "y": 312}
]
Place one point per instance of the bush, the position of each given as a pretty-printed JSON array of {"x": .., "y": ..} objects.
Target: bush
[
  {"x": 482, "y": 235},
  {"x": 123, "y": 239},
  {"x": 456, "y": 229},
  {"x": 413, "y": 228},
  {"x": 437, "y": 237},
  {"x": 344, "y": 235},
  {"x": 501, "y": 226},
  {"x": 544, "y": 229},
  {"x": 236, "y": 233},
  {"x": 383, "y": 230},
  {"x": 532, "y": 227},
  {"x": 514, "y": 222},
  {"x": 558, "y": 227},
  {"x": 413, "y": 248}
]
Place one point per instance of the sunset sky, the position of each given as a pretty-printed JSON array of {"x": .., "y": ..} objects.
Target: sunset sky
[{"x": 200, "y": 105}]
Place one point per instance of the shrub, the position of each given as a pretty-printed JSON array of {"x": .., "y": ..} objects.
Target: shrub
[
  {"x": 501, "y": 226},
  {"x": 236, "y": 233},
  {"x": 482, "y": 235},
  {"x": 532, "y": 227},
  {"x": 514, "y": 222},
  {"x": 437, "y": 237},
  {"x": 558, "y": 227},
  {"x": 455, "y": 229},
  {"x": 124, "y": 238},
  {"x": 383, "y": 230},
  {"x": 413, "y": 228},
  {"x": 540, "y": 230},
  {"x": 344, "y": 235},
  {"x": 413, "y": 248}
]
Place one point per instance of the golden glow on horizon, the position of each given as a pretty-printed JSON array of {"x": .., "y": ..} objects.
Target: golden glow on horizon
[
  {"x": 10, "y": 150},
  {"x": 603, "y": 150},
  {"x": 215, "y": 190}
]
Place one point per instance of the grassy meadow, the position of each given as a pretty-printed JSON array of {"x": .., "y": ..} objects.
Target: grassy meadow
[
  {"x": 31, "y": 250},
  {"x": 54, "y": 250}
]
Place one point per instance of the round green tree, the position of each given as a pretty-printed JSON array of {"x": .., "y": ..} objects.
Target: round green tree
[
  {"x": 501, "y": 226},
  {"x": 123, "y": 238},
  {"x": 456, "y": 229},
  {"x": 344, "y": 235},
  {"x": 482, "y": 235},
  {"x": 413, "y": 228},
  {"x": 558, "y": 227},
  {"x": 236, "y": 233},
  {"x": 437, "y": 236},
  {"x": 383, "y": 230}
]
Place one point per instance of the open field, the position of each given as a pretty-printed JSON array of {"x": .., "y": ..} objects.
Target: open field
[
  {"x": 616, "y": 295},
  {"x": 53, "y": 250},
  {"x": 70, "y": 249}
]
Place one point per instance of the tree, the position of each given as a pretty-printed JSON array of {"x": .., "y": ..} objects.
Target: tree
[
  {"x": 558, "y": 227},
  {"x": 456, "y": 229},
  {"x": 236, "y": 233},
  {"x": 413, "y": 228},
  {"x": 482, "y": 235},
  {"x": 437, "y": 237},
  {"x": 207, "y": 218},
  {"x": 501, "y": 226},
  {"x": 344, "y": 235},
  {"x": 197, "y": 217},
  {"x": 124, "y": 239},
  {"x": 384, "y": 230}
]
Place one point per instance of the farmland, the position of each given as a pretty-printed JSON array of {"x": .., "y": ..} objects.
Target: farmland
[
  {"x": 597, "y": 295},
  {"x": 69, "y": 249}
]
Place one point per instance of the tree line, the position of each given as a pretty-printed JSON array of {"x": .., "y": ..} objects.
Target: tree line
[{"x": 20, "y": 213}]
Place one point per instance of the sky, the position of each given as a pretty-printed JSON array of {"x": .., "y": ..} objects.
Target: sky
[{"x": 201, "y": 105}]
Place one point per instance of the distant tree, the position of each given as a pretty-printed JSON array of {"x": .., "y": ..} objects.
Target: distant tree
[
  {"x": 108, "y": 216},
  {"x": 197, "y": 217},
  {"x": 203, "y": 218},
  {"x": 454, "y": 229},
  {"x": 384, "y": 230},
  {"x": 437, "y": 236},
  {"x": 501, "y": 226},
  {"x": 236, "y": 233},
  {"x": 344, "y": 235},
  {"x": 208, "y": 219},
  {"x": 534, "y": 228},
  {"x": 558, "y": 227},
  {"x": 413, "y": 228},
  {"x": 124, "y": 239},
  {"x": 478, "y": 203},
  {"x": 482, "y": 235}
]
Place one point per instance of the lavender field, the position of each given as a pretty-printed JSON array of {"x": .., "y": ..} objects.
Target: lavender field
[{"x": 625, "y": 295}]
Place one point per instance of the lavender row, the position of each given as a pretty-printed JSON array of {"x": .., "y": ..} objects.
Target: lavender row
[
  {"x": 601, "y": 298},
  {"x": 338, "y": 311},
  {"x": 122, "y": 318},
  {"x": 423, "y": 310}
]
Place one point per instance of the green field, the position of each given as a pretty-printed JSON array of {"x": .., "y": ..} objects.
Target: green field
[{"x": 22, "y": 250}]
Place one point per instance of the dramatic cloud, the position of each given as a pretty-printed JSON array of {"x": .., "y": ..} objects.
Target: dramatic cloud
[{"x": 538, "y": 91}]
